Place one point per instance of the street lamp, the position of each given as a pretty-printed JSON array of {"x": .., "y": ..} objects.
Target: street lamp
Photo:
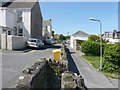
[{"x": 93, "y": 19}]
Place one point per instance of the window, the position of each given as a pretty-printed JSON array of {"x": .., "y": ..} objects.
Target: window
[
  {"x": 118, "y": 35},
  {"x": 19, "y": 16},
  {"x": 9, "y": 33},
  {"x": 20, "y": 32},
  {"x": 15, "y": 32},
  {"x": 46, "y": 27}
]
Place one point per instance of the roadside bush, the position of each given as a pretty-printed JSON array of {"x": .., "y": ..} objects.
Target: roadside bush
[
  {"x": 91, "y": 47},
  {"x": 112, "y": 58}
]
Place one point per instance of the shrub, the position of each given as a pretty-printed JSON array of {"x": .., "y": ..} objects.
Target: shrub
[
  {"x": 91, "y": 47},
  {"x": 112, "y": 58}
]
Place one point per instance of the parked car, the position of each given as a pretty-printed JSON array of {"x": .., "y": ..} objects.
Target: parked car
[
  {"x": 36, "y": 43},
  {"x": 49, "y": 42}
]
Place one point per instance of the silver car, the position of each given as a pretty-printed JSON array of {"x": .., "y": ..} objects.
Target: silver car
[{"x": 36, "y": 43}]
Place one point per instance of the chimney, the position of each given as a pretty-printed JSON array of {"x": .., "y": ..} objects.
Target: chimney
[
  {"x": 50, "y": 19},
  {"x": 114, "y": 31}
]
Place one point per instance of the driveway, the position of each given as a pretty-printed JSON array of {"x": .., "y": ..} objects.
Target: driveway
[
  {"x": 13, "y": 62},
  {"x": 92, "y": 78}
]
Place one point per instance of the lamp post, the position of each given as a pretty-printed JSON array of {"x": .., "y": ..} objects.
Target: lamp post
[{"x": 93, "y": 19}]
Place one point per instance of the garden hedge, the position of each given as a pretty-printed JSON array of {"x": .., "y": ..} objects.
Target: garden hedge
[
  {"x": 91, "y": 47},
  {"x": 112, "y": 58}
]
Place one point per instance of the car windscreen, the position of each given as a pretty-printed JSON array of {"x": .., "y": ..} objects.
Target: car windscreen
[{"x": 32, "y": 40}]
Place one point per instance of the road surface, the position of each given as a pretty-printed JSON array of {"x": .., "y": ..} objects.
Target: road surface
[{"x": 13, "y": 62}]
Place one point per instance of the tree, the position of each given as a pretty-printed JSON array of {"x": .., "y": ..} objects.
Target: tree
[
  {"x": 94, "y": 38},
  {"x": 61, "y": 37}
]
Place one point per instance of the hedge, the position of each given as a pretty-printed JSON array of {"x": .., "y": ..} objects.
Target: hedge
[
  {"x": 112, "y": 58},
  {"x": 91, "y": 47}
]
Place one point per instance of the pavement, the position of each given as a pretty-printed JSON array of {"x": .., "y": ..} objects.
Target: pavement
[
  {"x": 13, "y": 62},
  {"x": 93, "y": 79}
]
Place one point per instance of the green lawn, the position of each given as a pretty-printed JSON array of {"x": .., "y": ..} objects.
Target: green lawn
[{"x": 95, "y": 60}]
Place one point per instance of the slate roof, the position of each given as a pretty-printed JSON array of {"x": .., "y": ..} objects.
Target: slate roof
[
  {"x": 80, "y": 34},
  {"x": 6, "y": 3},
  {"x": 47, "y": 23},
  {"x": 22, "y": 4}
]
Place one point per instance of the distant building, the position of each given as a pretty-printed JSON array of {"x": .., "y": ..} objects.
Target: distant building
[
  {"x": 80, "y": 35},
  {"x": 112, "y": 37},
  {"x": 47, "y": 29}
]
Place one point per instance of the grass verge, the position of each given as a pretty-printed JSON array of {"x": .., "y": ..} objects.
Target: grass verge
[{"x": 95, "y": 61}]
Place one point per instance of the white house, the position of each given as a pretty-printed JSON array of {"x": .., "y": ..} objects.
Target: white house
[
  {"x": 21, "y": 19},
  {"x": 7, "y": 20},
  {"x": 47, "y": 29},
  {"x": 112, "y": 37},
  {"x": 80, "y": 35}
]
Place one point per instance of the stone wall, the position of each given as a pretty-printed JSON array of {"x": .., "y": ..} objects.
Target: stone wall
[
  {"x": 50, "y": 74},
  {"x": 71, "y": 80},
  {"x": 33, "y": 77}
]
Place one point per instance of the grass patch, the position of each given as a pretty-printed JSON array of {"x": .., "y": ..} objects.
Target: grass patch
[{"x": 95, "y": 61}]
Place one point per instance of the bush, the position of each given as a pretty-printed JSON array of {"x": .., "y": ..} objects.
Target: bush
[
  {"x": 91, "y": 47},
  {"x": 112, "y": 58}
]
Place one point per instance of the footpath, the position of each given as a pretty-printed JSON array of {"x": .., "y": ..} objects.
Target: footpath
[{"x": 93, "y": 79}]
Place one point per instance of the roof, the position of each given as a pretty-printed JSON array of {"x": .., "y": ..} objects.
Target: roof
[
  {"x": 80, "y": 34},
  {"x": 6, "y": 3},
  {"x": 47, "y": 22},
  {"x": 22, "y": 4}
]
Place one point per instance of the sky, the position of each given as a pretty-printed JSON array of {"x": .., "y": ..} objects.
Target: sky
[{"x": 70, "y": 17}]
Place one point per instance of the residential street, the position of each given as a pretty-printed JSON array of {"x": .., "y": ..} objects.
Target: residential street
[
  {"x": 13, "y": 62},
  {"x": 93, "y": 79}
]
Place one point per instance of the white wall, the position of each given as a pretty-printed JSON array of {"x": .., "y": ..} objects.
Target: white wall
[
  {"x": 2, "y": 17},
  {"x": 27, "y": 22},
  {"x": 113, "y": 41},
  {"x": 3, "y": 41},
  {"x": 7, "y": 18},
  {"x": 16, "y": 42},
  {"x": 13, "y": 42},
  {"x": 73, "y": 41}
]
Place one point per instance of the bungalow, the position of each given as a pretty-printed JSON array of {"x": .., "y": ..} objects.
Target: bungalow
[{"x": 80, "y": 35}]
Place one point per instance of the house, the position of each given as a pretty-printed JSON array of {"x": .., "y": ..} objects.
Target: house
[
  {"x": 112, "y": 37},
  {"x": 79, "y": 35},
  {"x": 21, "y": 19},
  {"x": 47, "y": 29}
]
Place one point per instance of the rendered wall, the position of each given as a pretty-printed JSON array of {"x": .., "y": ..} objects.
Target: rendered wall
[
  {"x": 18, "y": 42},
  {"x": 26, "y": 22},
  {"x": 7, "y": 18},
  {"x": 13, "y": 42},
  {"x": 3, "y": 41}
]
